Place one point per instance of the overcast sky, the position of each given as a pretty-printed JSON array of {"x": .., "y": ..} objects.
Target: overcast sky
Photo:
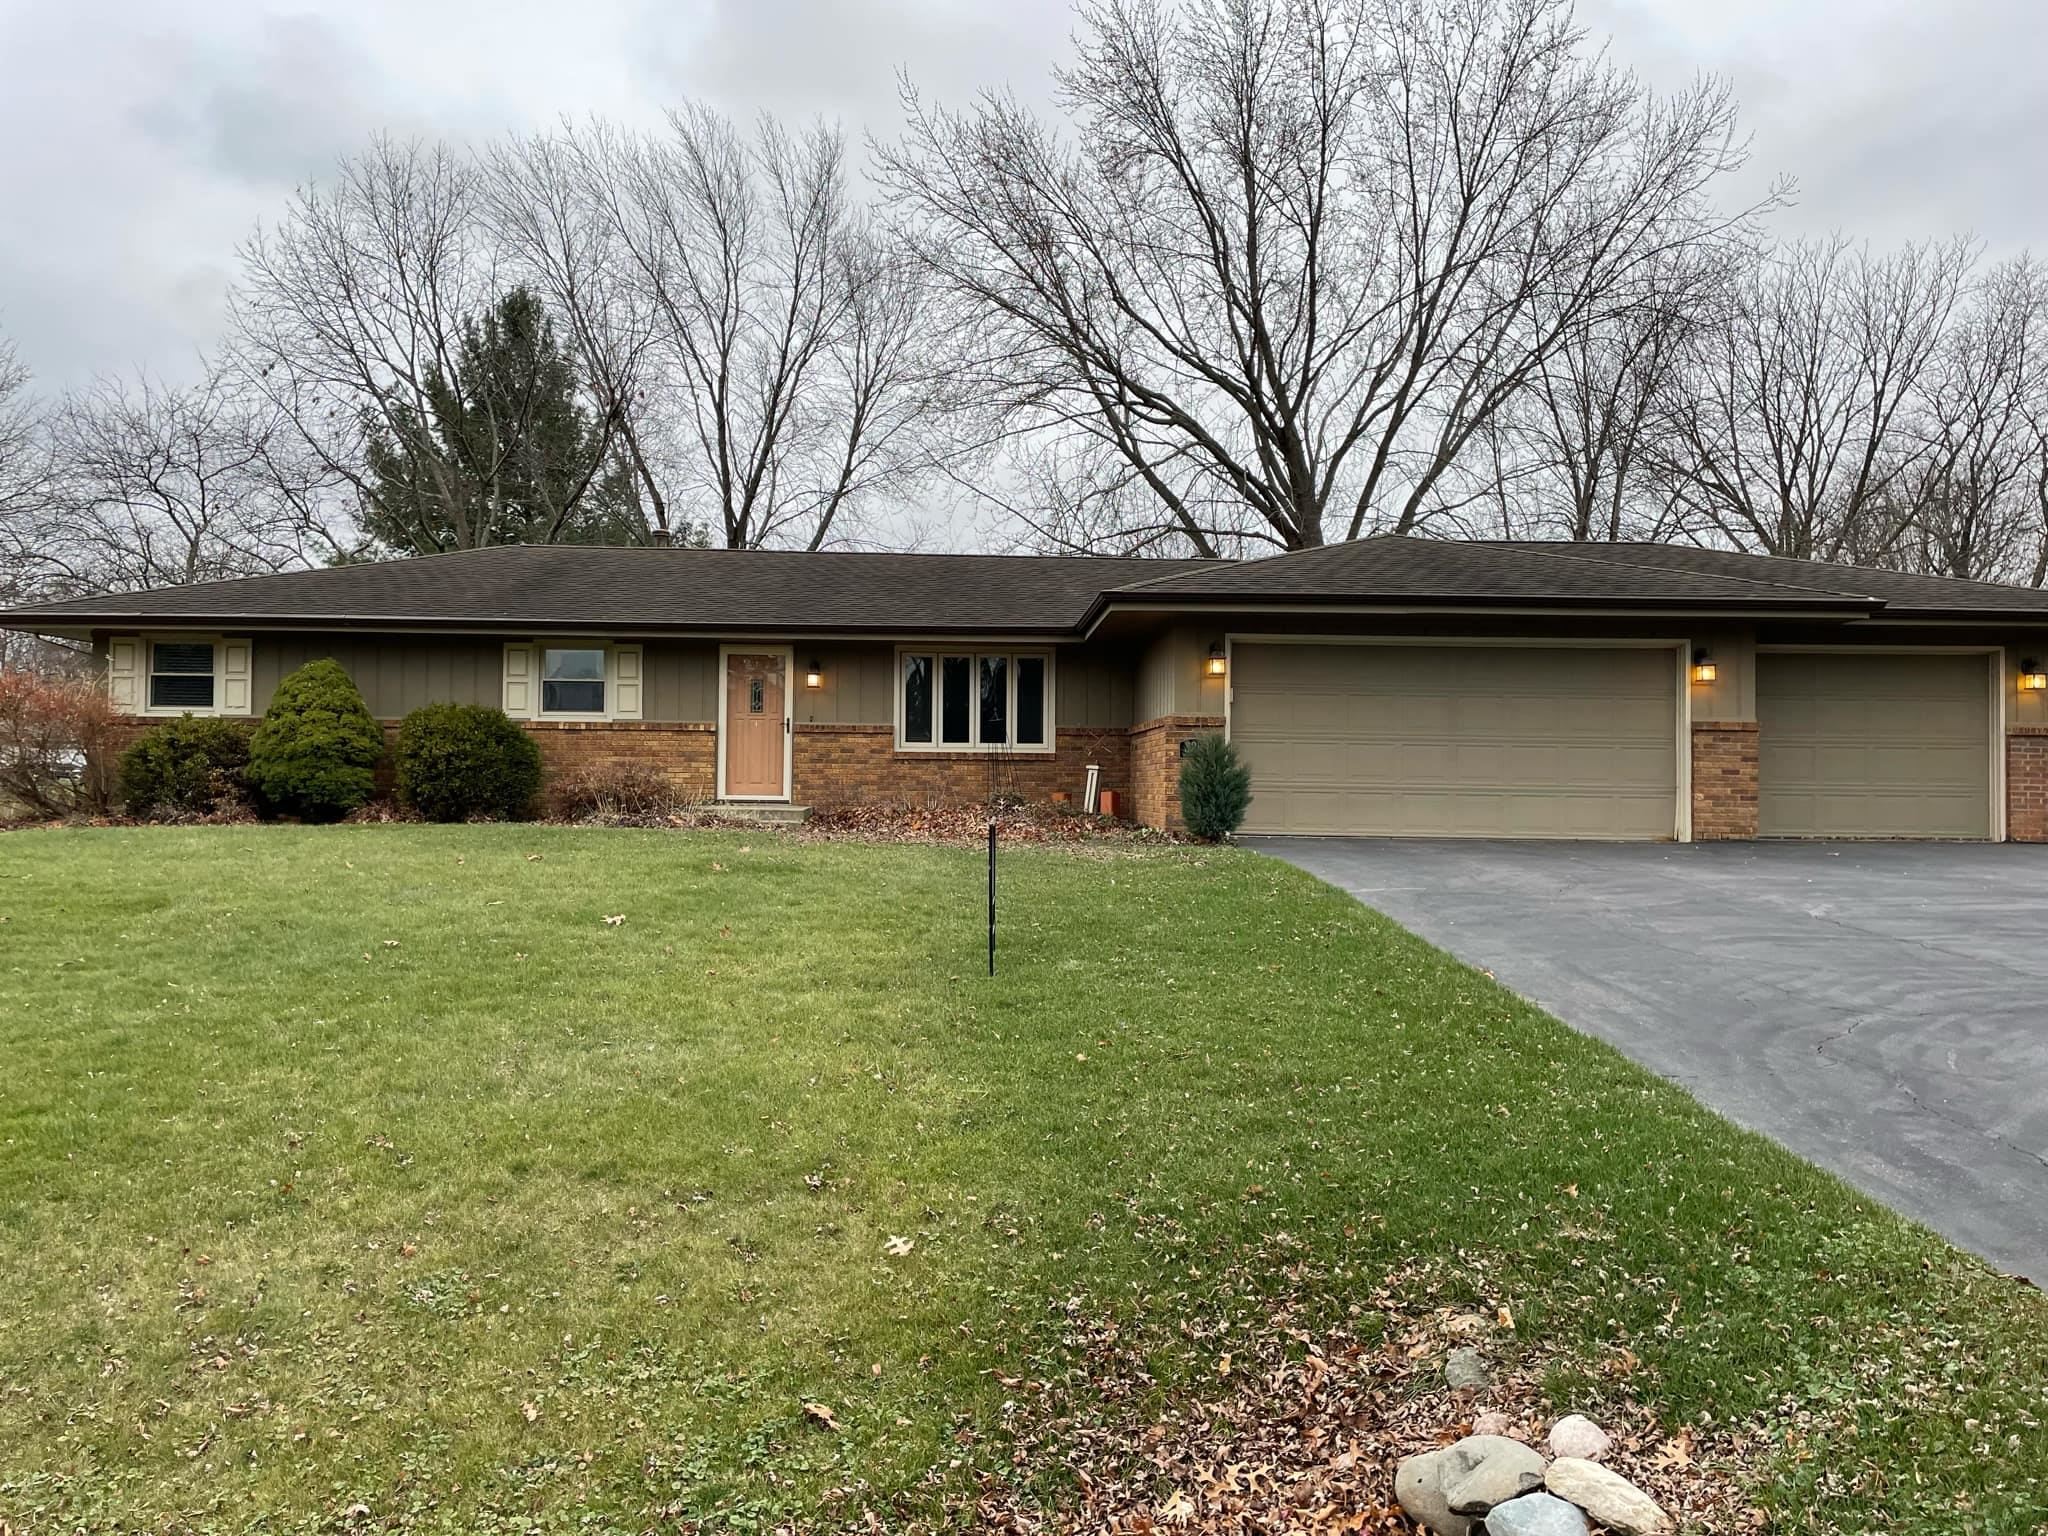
[{"x": 144, "y": 138}]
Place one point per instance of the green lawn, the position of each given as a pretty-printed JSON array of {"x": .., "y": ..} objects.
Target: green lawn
[{"x": 370, "y": 1169}]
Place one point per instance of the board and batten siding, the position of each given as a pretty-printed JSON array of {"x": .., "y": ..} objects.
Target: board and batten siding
[
  {"x": 858, "y": 683},
  {"x": 399, "y": 673}
]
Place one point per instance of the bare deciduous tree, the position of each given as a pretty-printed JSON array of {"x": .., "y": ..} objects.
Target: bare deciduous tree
[
  {"x": 785, "y": 330},
  {"x": 352, "y": 317},
  {"x": 1586, "y": 433},
  {"x": 1289, "y": 259},
  {"x": 156, "y": 485},
  {"x": 1784, "y": 433},
  {"x": 546, "y": 202},
  {"x": 1971, "y": 496}
]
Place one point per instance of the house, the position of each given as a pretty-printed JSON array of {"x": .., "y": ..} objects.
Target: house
[{"x": 1392, "y": 686}]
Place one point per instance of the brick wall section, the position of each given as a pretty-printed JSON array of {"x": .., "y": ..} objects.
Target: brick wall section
[
  {"x": 684, "y": 754},
  {"x": 1155, "y": 766},
  {"x": 2026, "y": 784},
  {"x": 1724, "y": 780},
  {"x": 855, "y": 764}
]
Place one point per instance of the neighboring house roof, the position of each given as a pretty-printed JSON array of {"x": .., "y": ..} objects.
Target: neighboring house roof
[{"x": 583, "y": 588}]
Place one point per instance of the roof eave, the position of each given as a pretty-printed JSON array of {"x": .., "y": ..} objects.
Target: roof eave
[{"x": 1721, "y": 607}]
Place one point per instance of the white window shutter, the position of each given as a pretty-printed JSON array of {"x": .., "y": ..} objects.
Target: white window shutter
[
  {"x": 519, "y": 681},
  {"x": 627, "y": 665},
  {"x": 237, "y": 676},
  {"x": 124, "y": 674}
]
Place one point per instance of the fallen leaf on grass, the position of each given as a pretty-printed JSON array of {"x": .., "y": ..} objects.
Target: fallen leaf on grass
[
  {"x": 820, "y": 1413},
  {"x": 614, "y": 920},
  {"x": 898, "y": 1247},
  {"x": 535, "y": 858},
  {"x": 531, "y": 1411}
]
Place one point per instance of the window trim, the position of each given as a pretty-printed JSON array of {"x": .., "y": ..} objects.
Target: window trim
[
  {"x": 974, "y": 745},
  {"x": 148, "y": 640},
  {"x": 541, "y": 647}
]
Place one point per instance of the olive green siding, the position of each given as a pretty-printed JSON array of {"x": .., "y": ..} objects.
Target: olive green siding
[
  {"x": 399, "y": 673},
  {"x": 857, "y": 685},
  {"x": 1172, "y": 679}
]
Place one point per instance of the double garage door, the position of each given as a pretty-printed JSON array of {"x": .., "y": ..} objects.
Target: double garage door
[
  {"x": 1451, "y": 741},
  {"x": 1582, "y": 741}
]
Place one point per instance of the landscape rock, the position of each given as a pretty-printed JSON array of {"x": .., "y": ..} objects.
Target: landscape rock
[
  {"x": 1418, "y": 1489},
  {"x": 1536, "y": 1514},
  {"x": 1577, "y": 1435},
  {"x": 1607, "y": 1496},
  {"x": 1465, "y": 1370},
  {"x": 1481, "y": 1471},
  {"x": 1493, "y": 1423}
]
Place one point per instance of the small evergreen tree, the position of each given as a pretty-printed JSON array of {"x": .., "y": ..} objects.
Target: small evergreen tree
[
  {"x": 315, "y": 755},
  {"x": 459, "y": 761},
  {"x": 1215, "y": 789}
]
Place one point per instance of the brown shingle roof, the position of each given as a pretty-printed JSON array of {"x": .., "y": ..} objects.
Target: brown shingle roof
[
  {"x": 602, "y": 587},
  {"x": 1904, "y": 595},
  {"x": 1443, "y": 573},
  {"x": 581, "y": 588}
]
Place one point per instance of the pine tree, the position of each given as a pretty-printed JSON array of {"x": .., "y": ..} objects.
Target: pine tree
[{"x": 510, "y": 457}]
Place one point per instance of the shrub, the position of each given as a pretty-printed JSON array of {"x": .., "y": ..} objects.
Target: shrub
[
  {"x": 315, "y": 755},
  {"x": 1215, "y": 788},
  {"x": 457, "y": 762},
  {"x": 186, "y": 767},
  {"x": 616, "y": 795},
  {"x": 58, "y": 738}
]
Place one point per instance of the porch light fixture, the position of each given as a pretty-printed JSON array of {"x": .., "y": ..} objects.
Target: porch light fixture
[
  {"x": 1703, "y": 668},
  {"x": 2032, "y": 678},
  {"x": 1217, "y": 664},
  {"x": 814, "y": 675}
]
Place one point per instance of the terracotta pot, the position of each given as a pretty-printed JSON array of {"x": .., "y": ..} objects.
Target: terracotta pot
[{"x": 1112, "y": 802}]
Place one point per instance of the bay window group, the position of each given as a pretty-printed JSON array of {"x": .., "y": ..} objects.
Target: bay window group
[{"x": 968, "y": 701}]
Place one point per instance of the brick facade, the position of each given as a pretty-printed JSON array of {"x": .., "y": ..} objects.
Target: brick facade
[
  {"x": 1155, "y": 766},
  {"x": 685, "y": 755},
  {"x": 2026, "y": 784},
  {"x": 851, "y": 764},
  {"x": 1724, "y": 779}
]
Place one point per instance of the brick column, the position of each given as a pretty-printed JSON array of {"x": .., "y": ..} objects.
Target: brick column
[
  {"x": 2026, "y": 784},
  {"x": 1155, "y": 766},
  {"x": 1724, "y": 779}
]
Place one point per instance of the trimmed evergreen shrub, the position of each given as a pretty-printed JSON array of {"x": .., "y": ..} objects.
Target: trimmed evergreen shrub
[
  {"x": 315, "y": 754},
  {"x": 1215, "y": 789},
  {"x": 457, "y": 762},
  {"x": 190, "y": 766}
]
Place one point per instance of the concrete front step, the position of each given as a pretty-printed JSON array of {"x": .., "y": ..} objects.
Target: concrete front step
[{"x": 758, "y": 813}]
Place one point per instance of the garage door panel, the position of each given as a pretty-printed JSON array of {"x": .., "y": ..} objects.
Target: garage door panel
[
  {"x": 1458, "y": 741},
  {"x": 1873, "y": 745}
]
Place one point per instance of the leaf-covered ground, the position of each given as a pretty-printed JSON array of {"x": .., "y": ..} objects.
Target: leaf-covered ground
[{"x": 369, "y": 1179}]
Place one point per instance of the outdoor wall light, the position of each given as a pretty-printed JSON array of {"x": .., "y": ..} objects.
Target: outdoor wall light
[
  {"x": 1217, "y": 664},
  {"x": 2032, "y": 678},
  {"x": 1703, "y": 668},
  {"x": 814, "y": 675}
]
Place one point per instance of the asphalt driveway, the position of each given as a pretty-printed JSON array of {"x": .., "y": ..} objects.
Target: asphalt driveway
[{"x": 1880, "y": 1008}]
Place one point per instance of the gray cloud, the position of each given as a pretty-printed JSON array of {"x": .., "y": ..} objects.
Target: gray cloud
[{"x": 147, "y": 137}]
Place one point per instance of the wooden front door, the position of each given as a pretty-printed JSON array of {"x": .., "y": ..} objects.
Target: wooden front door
[{"x": 755, "y": 725}]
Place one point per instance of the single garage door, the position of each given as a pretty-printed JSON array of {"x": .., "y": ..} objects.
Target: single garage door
[
  {"x": 1458, "y": 741},
  {"x": 1873, "y": 745}
]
